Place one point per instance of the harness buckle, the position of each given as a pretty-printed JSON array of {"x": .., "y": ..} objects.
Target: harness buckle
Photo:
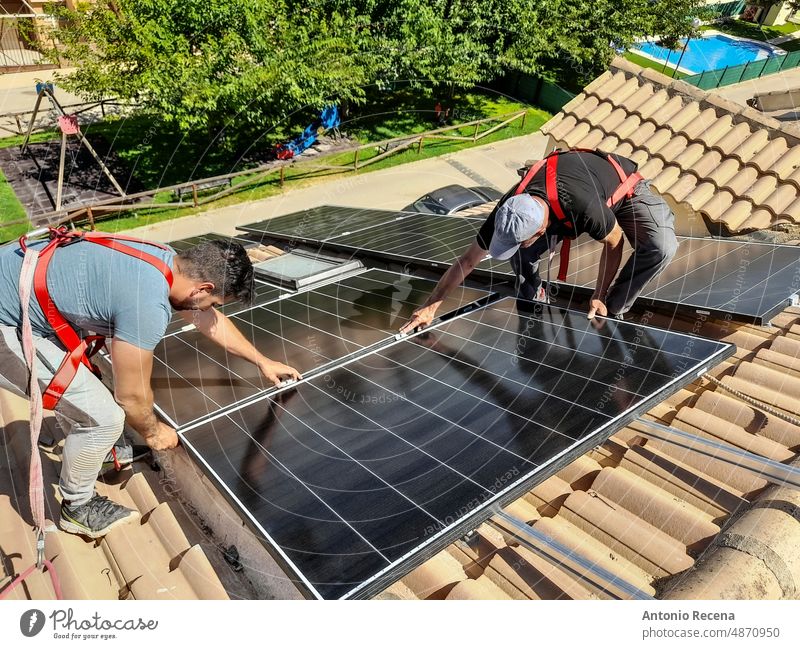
[{"x": 40, "y": 549}]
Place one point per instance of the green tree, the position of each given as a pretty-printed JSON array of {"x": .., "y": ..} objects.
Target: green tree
[
  {"x": 205, "y": 64},
  {"x": 211, "y": 63}
]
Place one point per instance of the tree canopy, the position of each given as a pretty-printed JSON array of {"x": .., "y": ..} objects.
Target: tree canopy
[{"x": 208, "y": 64}]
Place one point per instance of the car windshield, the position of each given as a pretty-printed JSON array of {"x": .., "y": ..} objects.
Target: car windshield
[{"x": 427, "y": 204}]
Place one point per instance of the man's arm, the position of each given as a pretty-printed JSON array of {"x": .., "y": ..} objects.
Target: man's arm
[
  {"x": 454, "y": 276},
  {"x": 132, "y": 369},
  {"x": 219, "y": 328},
  {"x": 610, "y": 260}
]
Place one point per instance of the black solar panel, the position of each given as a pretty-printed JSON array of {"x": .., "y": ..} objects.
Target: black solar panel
[
  {"x": 183, "y": 244},
  {"x": 355, "y": 476},
  {"x": 424, "y": 239},
  {"x": 321, "y": 223},
  {"x": 752, "y": 281},
  {"x": 194, "y": 378},
  {"x": 428, "y": 239}
]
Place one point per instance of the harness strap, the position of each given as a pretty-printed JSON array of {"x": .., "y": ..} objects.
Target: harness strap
[
  {"x": 78, "y": 350},
  {"x": 627, "y": 183},
  {"x": 563, "y": 260},
  {"x": 551, "y": 186},
  {"x": 623, "y": 190}
]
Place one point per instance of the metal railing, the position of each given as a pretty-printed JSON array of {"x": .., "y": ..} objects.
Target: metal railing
[
  {"x": 729, "y": 75},
  {"x": 19, "y": 43},
  {"x": 363, "y": 156}
]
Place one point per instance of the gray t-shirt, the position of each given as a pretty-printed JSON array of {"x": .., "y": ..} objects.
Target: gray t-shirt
[{"x": 96, "y": 289}]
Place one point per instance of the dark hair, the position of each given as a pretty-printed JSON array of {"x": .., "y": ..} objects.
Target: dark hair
[{"x": 223, "y": 263}]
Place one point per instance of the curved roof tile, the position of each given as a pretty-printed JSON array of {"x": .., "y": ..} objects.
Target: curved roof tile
[{"x": 725, "y": 161}]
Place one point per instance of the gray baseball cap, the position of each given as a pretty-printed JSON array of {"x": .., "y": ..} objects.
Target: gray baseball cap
[{"x": 516, "y": 220}]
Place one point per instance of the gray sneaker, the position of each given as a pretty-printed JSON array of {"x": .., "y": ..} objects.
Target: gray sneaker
[
  {"x": 126, "y": 455},
  {"x": 95, "y": 518}
]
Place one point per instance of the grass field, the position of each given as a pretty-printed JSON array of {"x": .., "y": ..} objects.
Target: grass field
[
  {"x": 649, "y": 63},
  {"x": 10, "y": 210}
]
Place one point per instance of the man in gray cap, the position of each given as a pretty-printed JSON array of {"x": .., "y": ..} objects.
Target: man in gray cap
[{"x": 561, "y": 197}]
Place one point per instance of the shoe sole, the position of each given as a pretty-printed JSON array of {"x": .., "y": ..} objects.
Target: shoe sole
[{"x": 73, "y": 527}]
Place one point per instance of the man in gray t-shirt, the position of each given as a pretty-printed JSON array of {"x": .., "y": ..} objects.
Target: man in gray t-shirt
[{"x": 103, "y": 291}]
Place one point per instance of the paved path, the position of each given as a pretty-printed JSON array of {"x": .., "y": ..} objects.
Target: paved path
[
  {"x": 741, "y": 92},
  {"x": 494, "y": 164},
  {"x": 18, "y": 94}
]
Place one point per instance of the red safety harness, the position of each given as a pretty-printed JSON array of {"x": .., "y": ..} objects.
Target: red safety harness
[
  {"x": 79, "y": 351},
  {"x": 624, "y": 190}
]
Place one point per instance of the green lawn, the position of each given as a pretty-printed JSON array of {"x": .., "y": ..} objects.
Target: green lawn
[
  {"x": 649, "y": 63},
  {"x": 10, "y": 210}
]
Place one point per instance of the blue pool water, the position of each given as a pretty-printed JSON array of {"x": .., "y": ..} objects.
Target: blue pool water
[{"x": 709, "y": 53}]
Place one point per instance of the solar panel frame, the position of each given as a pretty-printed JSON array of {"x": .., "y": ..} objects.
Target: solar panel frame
[{"x": 471, "y": 519}]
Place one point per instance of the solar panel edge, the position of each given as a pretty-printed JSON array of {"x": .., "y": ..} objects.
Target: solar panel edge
[{"x": 274, "y": 550}]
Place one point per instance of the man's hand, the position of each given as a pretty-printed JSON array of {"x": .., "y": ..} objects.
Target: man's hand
[
  {"x": 275, "y": 372},
  {"x": 422, "y": 317},
  {"x": 597, "y": 307},
  {"x": 164, "y": 438}
]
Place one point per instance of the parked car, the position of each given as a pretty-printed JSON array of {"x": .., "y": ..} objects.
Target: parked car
[{"x": 452, "y": 199}]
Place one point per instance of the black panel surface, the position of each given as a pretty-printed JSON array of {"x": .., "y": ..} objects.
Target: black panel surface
[
  {"x": 183, "y": 244},
  {"x": 752, "y": 281},
  {"x": 426, "y": 239},
  {"x": 431, "y": 239},
  {"x": 321, "y": 223},
  {"x": 356, "y": 476},
  {"x": 193, "y": 377}
]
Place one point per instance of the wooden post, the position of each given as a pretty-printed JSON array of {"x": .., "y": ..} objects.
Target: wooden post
[
  {"x": 194, "y": 195},
  {"x": 355, "y": 160},
  {"x": 475, "y": 134},
  {"x": 283, "y": 174},
  {"x": 522, "y": 126},
  {"x": 30, "y": 124},
  {"x": 19, "y": 124},
  {"x": 103, "y": 107},
  {"x": 90, "y": 216},
  {"x": 61, "y": 170},
  {"x": 419, "y": 145}
]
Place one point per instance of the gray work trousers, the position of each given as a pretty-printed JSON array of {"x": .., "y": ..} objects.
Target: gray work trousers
[
  {"x": 649, "y": 227},
  {"x": 87, "y": 413}
]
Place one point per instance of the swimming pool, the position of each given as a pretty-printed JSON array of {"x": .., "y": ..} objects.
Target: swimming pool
[{"x": 712, "y": 52}]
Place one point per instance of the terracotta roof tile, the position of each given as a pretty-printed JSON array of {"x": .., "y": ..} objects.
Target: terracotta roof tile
[
  {"x": 672, "y": 515},
  {"x": 741, "y": 414},
  {"x": 481, "y": 588},
  {"x": 641, "y": 543},
  {"x": 146, "y": 559},
  {"x": 435, "y": 578},
  {"x": 586, "y": 545},
  {"x": 717, "y": 157}
]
